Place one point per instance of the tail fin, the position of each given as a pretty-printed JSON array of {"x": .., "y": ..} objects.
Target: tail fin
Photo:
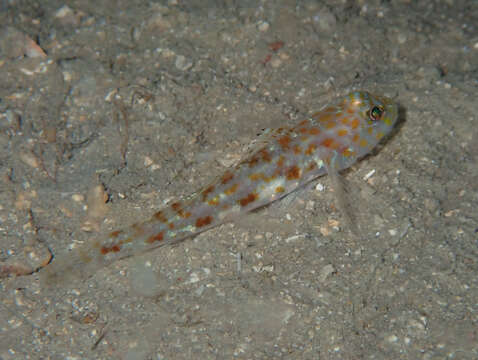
[{"x": 76, "y": 265}]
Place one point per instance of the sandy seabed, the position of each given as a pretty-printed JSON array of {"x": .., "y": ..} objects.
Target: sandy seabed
[{"x": 110, "y": 109}]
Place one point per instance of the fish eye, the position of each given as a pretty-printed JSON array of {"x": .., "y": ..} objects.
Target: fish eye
[{"x": 375, "y": 113}]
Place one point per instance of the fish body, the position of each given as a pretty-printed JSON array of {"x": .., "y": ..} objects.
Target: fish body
[{"x": 329, "y": 140}]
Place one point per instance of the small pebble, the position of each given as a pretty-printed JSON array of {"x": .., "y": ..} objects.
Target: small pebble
[
  {"x": 78, "y": 197},
  {"x": 182, "y": 63},
  {"x": 325, "y": 272},
  {"x": 263, "y": 26}
]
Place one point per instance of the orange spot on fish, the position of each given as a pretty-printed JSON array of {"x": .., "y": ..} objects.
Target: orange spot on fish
[
  {"x": 228, "y": 176},
  {"x": 248, "y": 199},
  {"x": 207, "y": 191},
  {"x": 154, "y": 238},
  {"x": 284, "y": 142},
  {"x": 256, "y": 176},
  {"x": 293, "y": 173},
  {"x": 342, "y": 132},
  {"x": 231, "y": 190},
  {"x": 280, "y": 189},
  {"x": 356, "y": 138},
  {"x": 363, "y": 143},
  {"x": 328, "y": 142},
  {"x": 345, "y": 120},
  {"x": 171, "y": 226},
  {"x": 314, "y": 131},
  {"x": 160, "y": 216},
  {"x": 261, "y": 176},
  {"x": 330, "y": 125},
  {"x": 310, "y": 149},
  {"x": 355, "y": 123},
  {"x": 179, "y": 210},
  {"x": 265, "y": 155},
  {"x": 200, "y": 222},
  {"x": 297, "y": 149},
  {"x": 325, "y": 117}
]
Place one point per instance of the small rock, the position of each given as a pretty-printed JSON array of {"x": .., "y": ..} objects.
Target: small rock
[
  {"x": 182, "y": 63},
  {"x": 263, "y": 26},
  {"x": 325, "y": 272}
]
